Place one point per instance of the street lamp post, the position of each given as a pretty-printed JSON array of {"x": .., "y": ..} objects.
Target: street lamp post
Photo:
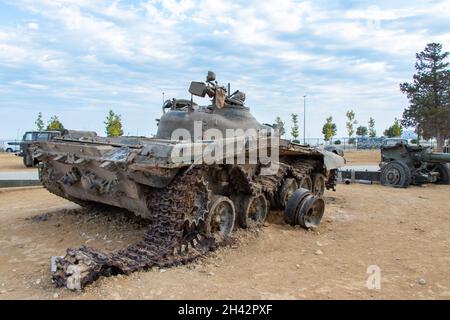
[{"x": 304, "y": 119}]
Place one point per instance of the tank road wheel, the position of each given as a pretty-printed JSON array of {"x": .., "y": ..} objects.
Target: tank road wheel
[
  {"x": 395, "y": 174},
  {"x": 221, "y": 217},
  {"x": 319, "y": 184},
  {"x": 311, "y": 212},
  {"x": 290, "y": 212},
  {"x": 287, "y": 189},
  {"x": 251, "y": 210},
  {"x": 306, "y": 183},
  {"x": 304, "y": 209},
  {"x": 444, "y": 173}
]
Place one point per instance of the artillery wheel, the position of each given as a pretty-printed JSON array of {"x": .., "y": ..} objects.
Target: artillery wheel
[
  {"x": 292, "y": 206},
  {"x": 319, "y": 184},
  {"x": 286, "y": 191},
  {"x": 251, "y": 209},
  {"x": 444, "y": 173},
  {"x": 306, "y": 183},
  {"x": 395, "y": 174},
  {"x": 221, "y": 217},
  {"x": 311, "y": 212}
]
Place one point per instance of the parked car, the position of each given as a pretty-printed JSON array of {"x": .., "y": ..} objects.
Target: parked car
[
  {"x": 11, "y": 146},
  {"x": 28, "y": 138}
]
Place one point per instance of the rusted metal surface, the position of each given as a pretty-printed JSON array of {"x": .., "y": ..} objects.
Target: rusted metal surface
[
  {"x": 192, "y": 207},
  {"x": 174, "y": 237}
]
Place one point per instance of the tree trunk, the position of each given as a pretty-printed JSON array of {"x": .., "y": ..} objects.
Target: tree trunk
[{"x": 440, "y": 141}]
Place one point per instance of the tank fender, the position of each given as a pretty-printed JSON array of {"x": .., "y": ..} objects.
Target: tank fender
[{"x": 332, "y": 161}]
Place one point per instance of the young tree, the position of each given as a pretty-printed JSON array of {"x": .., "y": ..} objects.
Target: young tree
[
  {"x": 329, "y": 129},
  {"x": 55, "y": 124},
  {"x": 294, "y": 129},
  {"x": 372, "y": 131},
  {"x": 395, "y": 130},
  {"x": 113, "y": 125},
  {"x": 350, "y": 123},
  {"x": 361, "y": 131},
  {"x": 280, "y": 125},
  {"x": 39, "y": 122},
  {"x": 429, "y": 95}
]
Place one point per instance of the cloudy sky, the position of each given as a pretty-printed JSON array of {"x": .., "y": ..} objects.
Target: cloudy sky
[{"x": 79, "y": 58}]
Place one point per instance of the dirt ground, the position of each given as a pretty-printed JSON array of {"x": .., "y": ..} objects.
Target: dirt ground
[
  {"x": 363, "y": 157},
  {"x": 404, "y": 232},
  {"x": 11, "y": 162}
]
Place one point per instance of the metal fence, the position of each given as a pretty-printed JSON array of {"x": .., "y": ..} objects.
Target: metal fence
[
  {"x": 360, "y": 143},
  {"x": 344, "y": 143}
]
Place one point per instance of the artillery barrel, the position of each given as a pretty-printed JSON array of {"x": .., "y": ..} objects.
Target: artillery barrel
[{"x": 437, "y": 157}]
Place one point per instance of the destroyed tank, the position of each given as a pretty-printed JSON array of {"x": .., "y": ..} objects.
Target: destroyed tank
[{"x": 208, "y": 170}]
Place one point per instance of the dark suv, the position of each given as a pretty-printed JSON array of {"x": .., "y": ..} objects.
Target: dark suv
[{"x": 28, "y": 138}]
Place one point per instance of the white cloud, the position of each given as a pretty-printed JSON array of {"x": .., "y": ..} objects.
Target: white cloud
[
  {"x": 33, "y": 26},
  {"x": 12, "y": 54},
  {"x": 374, "y": 12},
  {"x": 92, "y": 55},
  {"x": 221, "y": 33},
  {"x": 25, "y": 84}
]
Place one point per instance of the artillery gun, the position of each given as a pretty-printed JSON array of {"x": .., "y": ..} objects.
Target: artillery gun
[
  {"x": 193, "y": 193},
  {"x": 403, "y": 164}
]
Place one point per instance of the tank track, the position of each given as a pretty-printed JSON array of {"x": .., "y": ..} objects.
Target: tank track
[
  {"x": 173, "y": 238},
  {"x": 179, "y": 233}
]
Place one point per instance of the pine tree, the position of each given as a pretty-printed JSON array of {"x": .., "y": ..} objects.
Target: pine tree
[
  {"x": 294, "y": 129},
  {"x": 429, "y": 95},
  {"x": 113, "y": 125},
  {"x": 39, "y": 122}
]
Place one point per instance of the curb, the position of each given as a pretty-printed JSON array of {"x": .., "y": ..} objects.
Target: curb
[{"x": 19, "y": 183}]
